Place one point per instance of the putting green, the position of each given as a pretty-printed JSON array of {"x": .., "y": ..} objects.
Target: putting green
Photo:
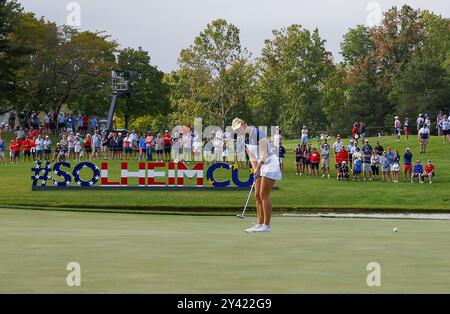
[{"x": 174, "y": 254}]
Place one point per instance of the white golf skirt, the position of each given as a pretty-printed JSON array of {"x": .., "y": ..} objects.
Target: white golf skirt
[{"x": 271, "y": 168}]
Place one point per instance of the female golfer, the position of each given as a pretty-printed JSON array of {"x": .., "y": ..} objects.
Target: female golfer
[{"x": 266, "y": 171}]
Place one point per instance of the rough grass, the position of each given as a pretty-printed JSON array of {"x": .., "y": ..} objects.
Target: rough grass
[{"x": 296, "y": 193}]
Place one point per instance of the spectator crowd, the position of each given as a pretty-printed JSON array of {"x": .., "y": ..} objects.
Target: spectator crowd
[{"x": 80, "y": 138}]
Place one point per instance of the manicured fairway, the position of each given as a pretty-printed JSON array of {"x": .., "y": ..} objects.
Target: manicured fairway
[{"x": 158, "y": 253}]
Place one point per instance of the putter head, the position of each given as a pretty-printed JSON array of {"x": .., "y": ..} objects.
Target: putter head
[{"x": 240, "y": 216}]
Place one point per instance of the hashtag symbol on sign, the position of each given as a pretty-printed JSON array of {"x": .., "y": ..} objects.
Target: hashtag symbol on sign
[{"x": 37, "y": 173}]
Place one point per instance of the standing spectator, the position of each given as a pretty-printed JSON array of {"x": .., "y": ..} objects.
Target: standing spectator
[
  {"x": 33, "y": 148},
  {"x": 47, "y": 124},
  {"x": 88, "y": 146},
  {"x": 406, "y": 128},
  {"x": 52, "y": 123},
  {"x": 325, "y": 153},
  {"x": 281, "y": 154},
  {"x": 159, "y": 148},
  {"x": 391, "y": 157},
  {"x": 32, "y": 132},
  {"x": 351, "y": 148},
  {"x": 61, "y": 122},
  {"x": 35, "y": 120},
  {"x": 277, "y": 137},
  {"x": 197, "y": 150},
  {"x": 375, "y": 165},
  {"x": 112, "y": 144},
  {"x": 64, "y": 143},
  {"x": 306, "y": 159},
  {"x": 134, "y": 138},
  {"x": 71, "y": 145},
  {"x": 77, "y": 147},
  {"x": 427, "y": 122},
  {"x": 424, "y": 137},
  {"x": 20, "y": 133},
  {"x": 2, "y": 150},
  {"x": 357, "y": 167},
  {"x": 357, "y": 154},
  {"x": 142, "y": 147},
  {"x": 105, "y": 144},
  {"x": 338, "y": 145},
  {"x": 304, "y": 135},
  {"x": 186, "y": 140},
  {"x": 93, "y": 124},
  {"x": 386, "y": 167},
  {"x": 439, "y": 120},
  {"x": 298, "y": 159},
  {"x": 26, "y": 147},
  {"x": 397, "y": 128},
  {"x": 429, "y": 171},
  {"x": 39, "y": 147},
  {"x": 167, "y": 138},
  {"x": 119, "y": 148},
  {"x": 417, "y": 172},
  {"x": 363, "y": 131},
  {"x": 12, "y": 120},
  {"x": 69, "y": 125},
  {"x": 445, "y": 129},
  {"x": 379, "y": 149},
  {"x": 127, "y": 146},
  {"x": 96, "y": 145},
  {"x": 315, "y": 160},
  {"x": 420, "y": 122},
  {"x": 79, "y": 120},
  {"x": 57, "y": 154},
  {"x": 148, "y": 146},
  {"x": 355, "y": 133},
  {"x": 85, "y": 123},
  {"x": 407, "y": 164},
  {"x": 47, "y": 144},
  {"x": 395, "y": 167},
  {"x": 14, "y": 151},
  {"x": 366, "y": 167},
  {"x": 367, "y": 146}
]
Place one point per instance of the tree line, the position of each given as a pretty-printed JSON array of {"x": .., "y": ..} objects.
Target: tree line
[{"x": 400, "y": 67}]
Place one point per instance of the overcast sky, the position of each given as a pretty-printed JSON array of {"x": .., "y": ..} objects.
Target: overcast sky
[{"x": 164, "y": 27}]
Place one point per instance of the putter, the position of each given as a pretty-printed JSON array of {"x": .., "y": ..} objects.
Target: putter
[{"x": 241, "y": 216}]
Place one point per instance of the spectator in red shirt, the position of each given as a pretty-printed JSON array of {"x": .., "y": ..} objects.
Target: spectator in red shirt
[
  {"x": 14, "y": 148},
  {"x": 315, "y": 160},
  {"x": 429, "y": 171},
  {"x": 85, "y": 123},
  {"x": 26, "y": 147},
  {"x": 355, "y": 133},
  {"x": 33, "y": 148},
  {"x": 167, "y": 139}
]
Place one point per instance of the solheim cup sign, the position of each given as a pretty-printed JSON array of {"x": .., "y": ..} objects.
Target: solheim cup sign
[
  {"x": 146, "y": 175},
  {"x": 207, "y": 158}
]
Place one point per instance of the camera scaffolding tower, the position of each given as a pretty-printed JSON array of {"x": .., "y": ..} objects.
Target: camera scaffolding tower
[{"x": 121, "y": 89}]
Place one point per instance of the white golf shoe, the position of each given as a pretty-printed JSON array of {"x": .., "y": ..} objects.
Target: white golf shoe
[
  {"x": 252, "y": 229},
  {"x": 262, "y": 228}
]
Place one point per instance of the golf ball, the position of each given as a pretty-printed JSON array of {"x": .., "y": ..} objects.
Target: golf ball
[{"x": 395, "y": 229}]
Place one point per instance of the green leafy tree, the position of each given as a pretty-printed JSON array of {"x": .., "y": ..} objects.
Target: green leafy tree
[
  {"x": 295, "y": 67},
  {"x": 149, "y": 94},
  {"x": 11, "y": 53},
  {"x": 215, "y": 74}
]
